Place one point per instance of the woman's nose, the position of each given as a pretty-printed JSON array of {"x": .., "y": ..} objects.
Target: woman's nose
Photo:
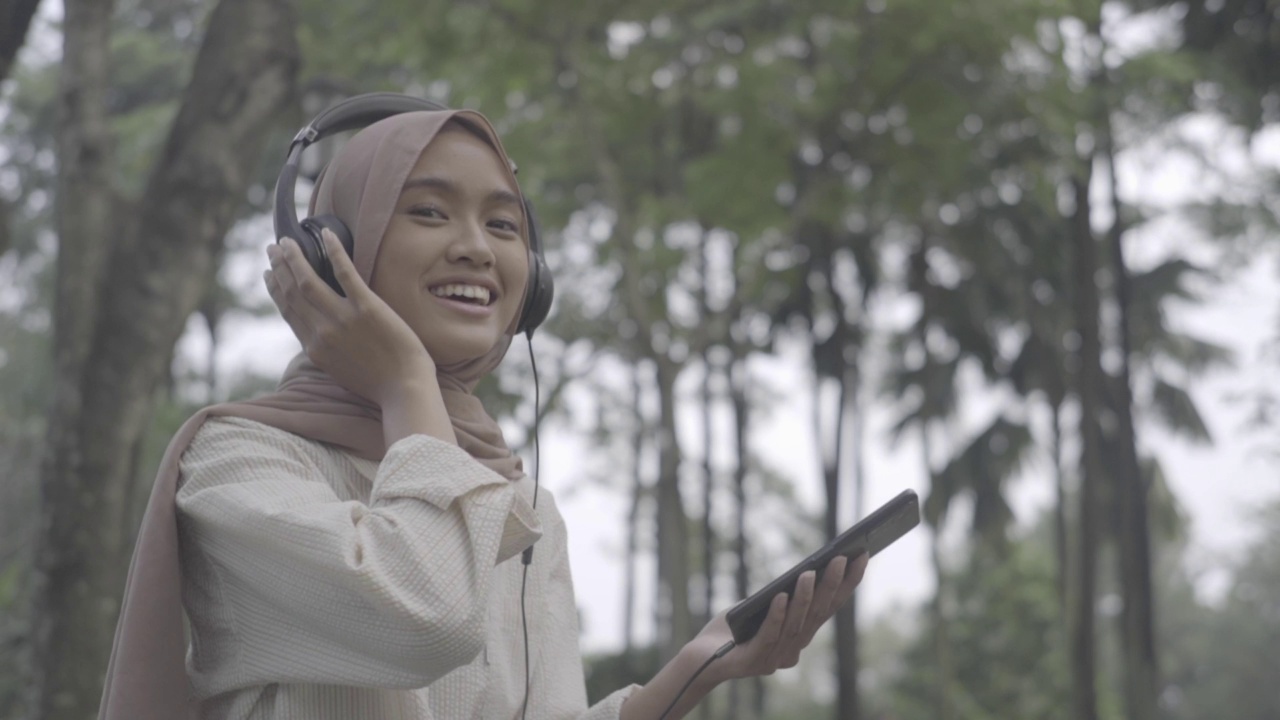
[{"x": 471, "y": 244}]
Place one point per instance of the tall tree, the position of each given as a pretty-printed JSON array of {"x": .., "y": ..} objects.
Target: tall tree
[
  {"x": 1137, "y": 618},
  {"x": 1090, "y": 390},
  {"x": 112, "y": 337}
]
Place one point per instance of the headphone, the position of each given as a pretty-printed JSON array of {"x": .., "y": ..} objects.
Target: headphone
[{"x": 357, "y": 112}]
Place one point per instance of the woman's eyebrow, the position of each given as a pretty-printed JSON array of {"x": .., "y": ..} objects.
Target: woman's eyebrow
[
  {"x": 439, "y": 184},
  {"x": 430, "y": 183}
]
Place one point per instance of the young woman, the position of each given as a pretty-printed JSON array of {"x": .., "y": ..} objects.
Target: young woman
[{"x": 349, "y": 546}]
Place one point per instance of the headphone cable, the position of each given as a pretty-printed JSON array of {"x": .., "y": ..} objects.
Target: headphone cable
[
  {"x": 527, "y": 556},
  {"x": 724, "y": 650}
]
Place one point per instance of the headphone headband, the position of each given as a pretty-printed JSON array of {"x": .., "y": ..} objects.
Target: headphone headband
[{"x": 360, "y": 111}]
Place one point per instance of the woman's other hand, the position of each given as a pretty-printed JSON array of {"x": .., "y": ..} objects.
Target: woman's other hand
[{"x": 788, "y": 628}]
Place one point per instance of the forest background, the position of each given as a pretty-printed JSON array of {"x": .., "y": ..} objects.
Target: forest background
[{"x": 1020, "y": 256}]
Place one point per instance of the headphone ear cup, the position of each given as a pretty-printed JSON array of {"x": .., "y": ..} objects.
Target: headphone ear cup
[
  {"x": 313, "y": 247},
  {"x": 537, "y": 296},
  {"x": 540, "y": 289}
]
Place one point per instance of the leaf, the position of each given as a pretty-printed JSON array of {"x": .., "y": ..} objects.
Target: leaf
[
  {"x": 982, "y": 468},
  {"x": 1176, "y": 410},
  {"x": 1193, "y": 354},
  {"x": 942, "y": 489},
  {"x": 1168, "y": 519}
]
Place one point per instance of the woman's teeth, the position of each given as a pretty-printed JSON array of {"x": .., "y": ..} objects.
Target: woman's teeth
[{"x": 471, "y": 292}]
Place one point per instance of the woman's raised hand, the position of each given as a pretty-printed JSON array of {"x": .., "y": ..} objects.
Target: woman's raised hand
[{"x": 358, "y": 340}]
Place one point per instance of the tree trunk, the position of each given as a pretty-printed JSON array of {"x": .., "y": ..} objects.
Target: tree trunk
[
  {"x": 831, "y": 453},
  {"x": 212, "y": 313},
  {"x": 708, "y": 470},
  {"x": 708, "y": 439},
  {"x": 1060, "y": 541},
  {"x": 159, "y": 265},
  {"x": 673, "y": 523},
  {"x": 1089, "y": 381},
  {"x": 1137, "y": 618},
  {"x": 708, "y": 500},
  {"x": 741, "y": 576},
  {"x": 633, "y": 513},
  {"x": 848, "y": 699},
  {"x": 942, "y": 635},
  {"x": 68, "y": 617}
]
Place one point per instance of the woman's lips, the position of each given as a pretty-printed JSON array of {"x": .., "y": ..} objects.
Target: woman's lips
[{"x": 469, "y": 309}]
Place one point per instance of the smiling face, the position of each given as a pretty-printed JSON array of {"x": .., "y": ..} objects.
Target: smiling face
[{"x": 453, "y": 262}]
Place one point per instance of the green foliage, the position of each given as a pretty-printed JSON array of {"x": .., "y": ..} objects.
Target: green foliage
[
  {"x": 1178, "y": 412},
  {"x": 981, "y": 469},
  {"x": 608, "y": 672},
  {"x": 1157, "y": 84},
  {"x": 13, "y": 632},
  {"x": 1237, "y": 43},
  {"x": 1153, "y": 290},
  {"x": 1223, "y": 657},
  {"x": 1005, "y": 632}
]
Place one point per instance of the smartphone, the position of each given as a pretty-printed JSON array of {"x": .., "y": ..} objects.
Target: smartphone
[{"x": 870, "y": 535}]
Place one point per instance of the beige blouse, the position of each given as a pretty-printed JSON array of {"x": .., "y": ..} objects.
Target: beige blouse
[{"x": 322, "y": 586}]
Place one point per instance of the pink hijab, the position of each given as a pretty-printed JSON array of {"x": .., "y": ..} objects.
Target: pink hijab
[{"x": 146, "y": 677}]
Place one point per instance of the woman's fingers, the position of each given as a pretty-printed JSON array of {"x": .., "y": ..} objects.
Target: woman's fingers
[
  {"x": 796, "y": 610},
  {"x": 344, "y": 270},
  {"x": 794, "y": 633},
  {"x": 302, "y": 289},
  {"x": 852, "y": 576},
  {"x": 828, "y": 588},
  {"x": 301, "y": 329},
  {"x": 317, "y": 295},
  {"x": 292, "y": 284},
  {"x": 771, "y": 630},
  {"x": 838, "y": 581},
  {"x": 755, "y": 657}
]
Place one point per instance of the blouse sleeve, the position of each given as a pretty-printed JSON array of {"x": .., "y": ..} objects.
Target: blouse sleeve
[{"x": 392, "y": 593}]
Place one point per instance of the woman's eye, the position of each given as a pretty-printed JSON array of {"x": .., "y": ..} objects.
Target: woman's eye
[
  {"x": 505, "y": 226},
  {"x": 427, "y": 211}
]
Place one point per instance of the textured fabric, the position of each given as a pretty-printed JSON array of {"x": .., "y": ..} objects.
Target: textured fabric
[{"x": 321, "y": 585}]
